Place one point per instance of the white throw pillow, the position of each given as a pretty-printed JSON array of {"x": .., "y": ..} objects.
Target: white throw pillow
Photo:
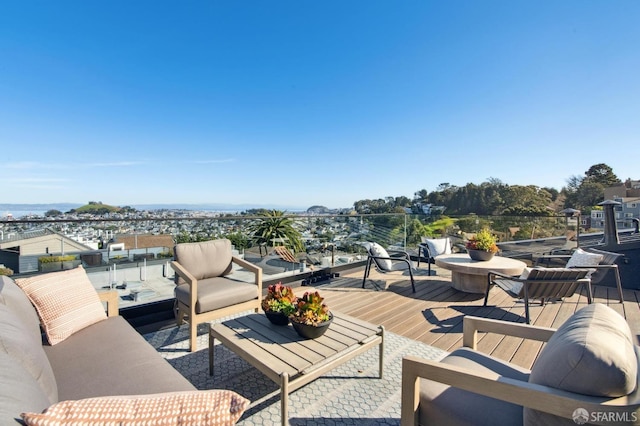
[
  {"x": 377, "y": 250},
  {"x": 437, "y": 246},
  {"x": 582, "y": 259}
]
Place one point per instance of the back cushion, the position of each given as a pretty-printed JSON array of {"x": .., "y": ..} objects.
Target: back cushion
[
  {"x": 205, "y": 259},
  {"x": 592, "y": 353},
  {"x": 376, "y": 249},
  {"x": 20, "y": 391},
  {"x": 16, "y": 341},
  {"x": 17, "y": 301},
  {"x": 438, "y": 246}
]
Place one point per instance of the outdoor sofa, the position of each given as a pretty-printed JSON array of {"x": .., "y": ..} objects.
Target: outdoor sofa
[{"x": 89, "y": 363}]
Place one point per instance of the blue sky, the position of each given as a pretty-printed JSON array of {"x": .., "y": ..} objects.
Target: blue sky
[{"x": 296, "y": 103}]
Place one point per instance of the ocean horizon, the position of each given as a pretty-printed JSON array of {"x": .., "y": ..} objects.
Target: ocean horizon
[{"x": 21, "y": 210}]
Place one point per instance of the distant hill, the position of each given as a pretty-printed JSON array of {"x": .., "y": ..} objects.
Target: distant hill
[{"x": 97, "y": 208}]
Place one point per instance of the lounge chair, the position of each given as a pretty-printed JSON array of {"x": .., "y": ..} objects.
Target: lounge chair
[
  {"x": 604, "y": 261},
  {"x": 540, "y": 283},
  {"x": 429, "y": 248},
  {"x": 387, "y": 262}
]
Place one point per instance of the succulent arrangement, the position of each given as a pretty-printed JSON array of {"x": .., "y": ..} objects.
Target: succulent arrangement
[
  {"x": 279, "y": 298},
  {"x": 310, "y": 310},
  {"x": 483, "y": 241}
]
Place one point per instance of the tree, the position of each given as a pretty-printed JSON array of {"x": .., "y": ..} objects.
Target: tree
[
  {"x": 583, "y": 193},
  {"x": 602, "y": 174},
  {"x": 52, "y": 213},
  {"x": 274, "y": 224}
]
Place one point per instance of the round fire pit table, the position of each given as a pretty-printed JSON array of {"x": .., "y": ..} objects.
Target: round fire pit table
[{"x": 470, "y": 275}]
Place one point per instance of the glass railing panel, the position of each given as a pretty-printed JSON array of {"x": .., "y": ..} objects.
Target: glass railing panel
[{"x": 137, "y": 250}]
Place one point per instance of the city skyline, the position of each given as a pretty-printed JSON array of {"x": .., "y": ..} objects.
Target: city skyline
[{"x": 301, "y": 104}]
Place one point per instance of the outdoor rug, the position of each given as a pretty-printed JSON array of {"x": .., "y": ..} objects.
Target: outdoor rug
[{"x": 351, "y": 394}]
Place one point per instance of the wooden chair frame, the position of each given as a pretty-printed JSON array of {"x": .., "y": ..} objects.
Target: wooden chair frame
[{"x": 543, "y": 398}]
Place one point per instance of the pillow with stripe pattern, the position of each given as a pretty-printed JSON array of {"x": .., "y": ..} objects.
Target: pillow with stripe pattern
[
  {"x": 197, "y": 408},
  {"x": 66, "y": 302}
]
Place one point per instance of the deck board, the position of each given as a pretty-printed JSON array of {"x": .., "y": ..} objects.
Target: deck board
[{"x": 434, "y": 314}]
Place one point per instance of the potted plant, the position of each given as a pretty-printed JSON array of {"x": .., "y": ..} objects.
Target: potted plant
[
  {"x": 279, "y": 303},
  {"x": 311, "y": 317},
  {"x": 482, "y": 246}
]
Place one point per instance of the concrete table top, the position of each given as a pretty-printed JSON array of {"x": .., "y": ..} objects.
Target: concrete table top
[{"x": 471, "y": 275}]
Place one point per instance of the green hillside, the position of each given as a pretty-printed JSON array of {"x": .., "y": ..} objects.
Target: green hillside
[{"x": 97, "y": 208}]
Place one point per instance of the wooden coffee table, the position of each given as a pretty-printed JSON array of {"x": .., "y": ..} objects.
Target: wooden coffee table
[
  {"x": 471, "y": 275},
  {"x": 288, "y": 359}
]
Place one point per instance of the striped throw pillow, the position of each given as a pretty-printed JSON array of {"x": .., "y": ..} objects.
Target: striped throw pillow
[
  {"x": 66, "y": 302},
  {"x": 197, "y": 408}
]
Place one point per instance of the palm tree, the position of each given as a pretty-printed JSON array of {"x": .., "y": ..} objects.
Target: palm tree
[{"x": 274, "y": 224}]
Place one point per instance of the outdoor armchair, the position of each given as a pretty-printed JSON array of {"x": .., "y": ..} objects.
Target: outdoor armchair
[
  {"x": 429, "y": 248},
  {"x": 600, "y": 261},
  {"x": 387, "y": 261},
  {"x": 540, "y": 283},
  {"x": 586, "y": 371},
  {"x": 206, "y": 289}
]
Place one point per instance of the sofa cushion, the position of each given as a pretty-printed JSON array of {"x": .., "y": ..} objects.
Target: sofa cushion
[
  {"x": 66, "y": 302},
  {"x": 20, "y": 391},
  {"x": 592, "y": 353},
  {"x": 17, "y": 341},
  {"x": 111, "y": 358},
  {"x": 197, "y": 408},
  {"x": 441, "y": 404},
  {"x": 17, "y": 301},
  {"x": 205, "y": 259},
  {"x": 216, "y": 293}
]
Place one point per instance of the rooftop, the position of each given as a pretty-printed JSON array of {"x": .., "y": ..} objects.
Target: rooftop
[{"x": 427, "y": 324}]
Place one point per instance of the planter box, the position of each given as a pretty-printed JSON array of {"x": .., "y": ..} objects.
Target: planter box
[{"x": 50, "y": 266}]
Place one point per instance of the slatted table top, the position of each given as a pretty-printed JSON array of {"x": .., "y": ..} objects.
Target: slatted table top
[{"x": 275, "y": 350}]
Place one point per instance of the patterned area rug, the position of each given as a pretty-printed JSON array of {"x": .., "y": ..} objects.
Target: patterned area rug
[{"x": 351, "y": 394}]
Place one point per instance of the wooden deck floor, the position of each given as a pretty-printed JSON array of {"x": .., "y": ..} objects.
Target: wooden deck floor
[{"x": 434, "y": 313}]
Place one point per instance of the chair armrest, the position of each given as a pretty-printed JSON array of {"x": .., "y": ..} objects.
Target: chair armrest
[
  {"x": 183, "y": 273},
  {"x": 492, "y": 274},
  {"x": 425, "y": 249},
  {"x": 190, "y": 279},
  {"x": 548, "y": 257},
  {"x": 472, "y": 325},
  {"x": 542, "y": 398},
  {"x": 398, "y": 254},
  {"x": 252, "y": 268},
  {"x": 111, "y": 299}
]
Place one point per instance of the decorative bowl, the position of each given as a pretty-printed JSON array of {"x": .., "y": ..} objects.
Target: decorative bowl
[
  {"x": 480, "y": 255},
  {"x": 312, "y": 331},
  {"x": 277, "y": 318}
]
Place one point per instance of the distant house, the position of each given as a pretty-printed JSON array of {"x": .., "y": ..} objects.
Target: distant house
[
  {"x": 625, "y": 212},
  {"x": 20, "y": 252}
]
